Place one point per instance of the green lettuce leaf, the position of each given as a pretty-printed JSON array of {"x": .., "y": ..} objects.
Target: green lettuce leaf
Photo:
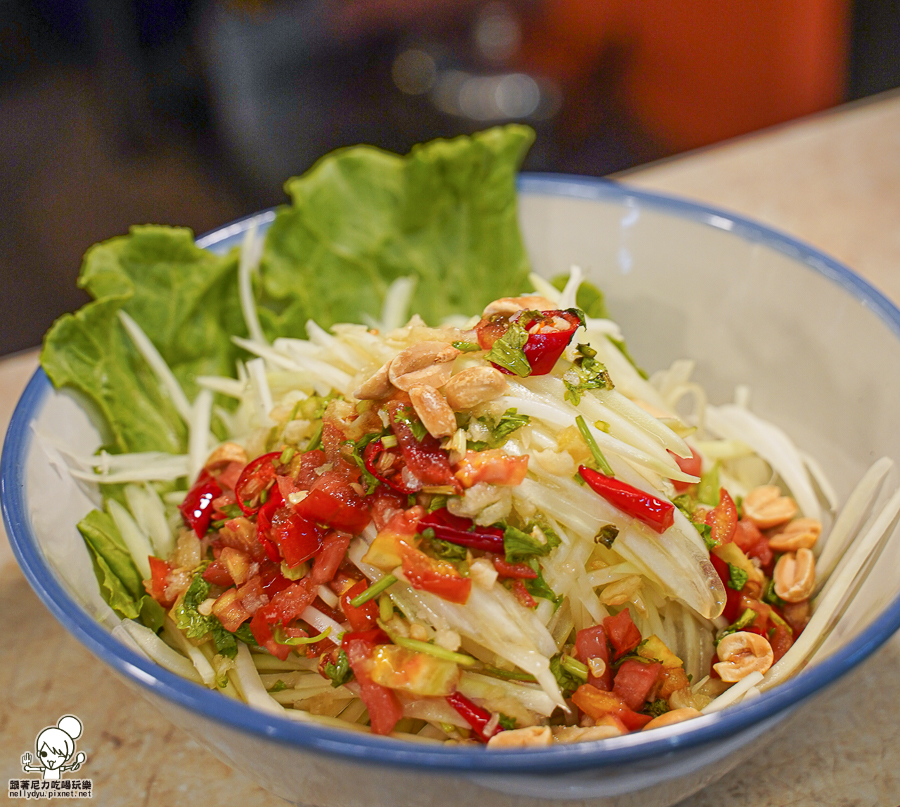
[{"x": 445, "y": 214}]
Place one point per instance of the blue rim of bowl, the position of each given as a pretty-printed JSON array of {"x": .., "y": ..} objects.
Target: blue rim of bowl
[{"x": 633, "y": 748}]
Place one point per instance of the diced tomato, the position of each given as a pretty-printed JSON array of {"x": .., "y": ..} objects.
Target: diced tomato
[
  {"x": 305, "y": 475},
  {"x": 598, "y": 704},
  {"x": 255, "y": 479},
  {"x": 435, "y": 576},
  {"x": 159, "y": 580},
  {"x": 364, "y": 617},
  {"x": 262, "y": 632},
  {"x": 490, "y": 329},
  {"x": 426, "y": 460},
  {"x": 296, "y": 538},
  {"x": 493, "y": 467},
  {"x": 328, "y": 560},
  {"x": 332, "y": 502},
  {"x": 722, "y": 519},
  {"x": 692, "y": 465},
  {"x": 672, "y": 679},
  {"x": 732, "y": 608},
  {"x": 593, "y": 643},
  {"x": 384, "y": 707},
  {"x": 229, "y": 475},
  {"x": 754, "y": 544},
  {"x": 523, "y": 596},
  {"x": 384, "y": 503},
  {"x": 237, "y": 563},
  {"x": 217, "y": 574},
  {"x": 253, "y": 596},
  {"x": 781, "y": 640},
  {"x": 622, "y": 632},
  {"x": 289, "y": 603},
  {"x": 230, "y": 611},
  {"x": 197, "y": 507},
  {"x": 634, "y": 680},
  {"x": 517, "y": 571},
  {"x": 271, "y": 578},
  {"x": 241, "y": 533}
]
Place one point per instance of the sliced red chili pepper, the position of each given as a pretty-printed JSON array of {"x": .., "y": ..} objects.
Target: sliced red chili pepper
[
  {"x": 546, "y": 339},
  {"x": 516, "y": 571},
  {"x": 475, "y": 716},
  {"x": 425, "y": 458},
  {"x": 197, "y": 507},
  {"x": 462, "y": 531},
  {"x": 732, "y": 608},
  {"x": 623, "y": 634},
  {"x": 264, "y": 524},
  {"x": 523, "y": 595},
  {"x": 657, "y": 514},
  {"x": 393, "y": 476},
  {"x": 254, "y": 479},
  {"x": 364, "y": 617},
  {"x": 692, "y": 465}
]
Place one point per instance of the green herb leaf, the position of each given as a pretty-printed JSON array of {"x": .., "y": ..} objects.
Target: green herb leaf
[
  {"x": 567, "y": 682},
  {"x": 278, "y": 686},
  {"x": 586, "y": 373},
  {"x": 537, "y": 587},
  {"x": 501, "y": 429},
  {"x": 338, "y": 671},
  {"x": 443, "y": 550},
  {"x": 467, "y": 347},
  {"x": 745, "y": 620},
  {"x": 507, "y": 351},
  {"x": 507, "y": 722},
  {"x": 520, "y": 545},
  {"x": 737, "y": 577},
  {"x": 657, "y": 708},
  {"x": 607, "y": 535}
]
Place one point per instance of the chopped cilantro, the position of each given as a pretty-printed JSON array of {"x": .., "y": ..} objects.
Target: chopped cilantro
[
  {"x": 507, "y": 722},
  {"x": 584, "y": 374},
  {"x": 769, "y": 596},
  {"x": 657, "y": 708},
  {"x": 567, "y": 682},
  {"x": 745, "y": 620},
  {"x": 368, "y": 479},
  {"x": 706, "y": 534},
  {"x": 443, "y": 550},
  {"x": 404, "y": 415},
  {"x": 507, "y": 351},
  {"x": 338, "y": 670},
  {"x": 520, "y": 545},
  {"x": 278, "y": 686},
  {"x": 537, "y": 586},
  {"x": 195, "y": 625},
  {"x": 501, "y": 429},
  {"x": 737, "y": 577}
]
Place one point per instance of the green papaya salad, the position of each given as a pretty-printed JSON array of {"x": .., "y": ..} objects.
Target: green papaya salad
[{"x": 480, "y": 523}]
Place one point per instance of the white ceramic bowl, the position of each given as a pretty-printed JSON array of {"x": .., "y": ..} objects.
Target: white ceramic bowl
[{"x": 816, "y": 344}]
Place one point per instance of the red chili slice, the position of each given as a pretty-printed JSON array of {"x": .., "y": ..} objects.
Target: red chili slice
[
  {"x": 393, "y": 477},
  {"x": 425, "y": 458},
  {"x": 463, "y": 531},
  {"x": 657, "y": 514},
  {"x": 197, "y": 507},
  {"x": 255, "y": 478},
  {"x": 546, "y": 339},
  {"x": 475, "y": 716}
]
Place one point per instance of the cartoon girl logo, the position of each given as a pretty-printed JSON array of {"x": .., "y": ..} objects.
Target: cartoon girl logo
[{"x": 54, "y": 746}]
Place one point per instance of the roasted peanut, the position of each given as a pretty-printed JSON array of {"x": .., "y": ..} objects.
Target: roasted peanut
[
  {"x": 583, "y": 734},
  {"x": 801, "y": 533},
  {"x": 530, "y": 737},
  {"x": 474, "y": 386},
  {"x": 425, "y": 363},
  {"x": 433, "y": 410},
  {"x": 223, "y": 455},
  {"x": 766, "y": 507},
  {"x": 742, "y": 653},
  {"x": 510, "y": 305},
  {"x": 795, "y": 575},
  {"x": 672, "y": 717},
  {"x": 377, "y": 387}
]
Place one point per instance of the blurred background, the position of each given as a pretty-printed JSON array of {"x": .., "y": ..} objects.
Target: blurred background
[{"x": 194, "y": 112}]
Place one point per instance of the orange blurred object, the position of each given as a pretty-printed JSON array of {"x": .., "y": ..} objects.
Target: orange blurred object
[{"x": 692, "y": 73}]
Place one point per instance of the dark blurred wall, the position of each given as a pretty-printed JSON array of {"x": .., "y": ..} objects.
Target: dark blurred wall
[{"x": 114, "y": 112}]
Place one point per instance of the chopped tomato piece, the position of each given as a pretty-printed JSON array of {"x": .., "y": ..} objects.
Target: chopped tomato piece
[
  {"x": 262, "y": 632},
  {"x": 671, "y": 680},
  {"x": 217, "y": 574},
  {"x": 384, "y": 707},
  {"x": 384, "y": 503},
  {"x": 634, "y": 680},
  {"x": 754, "y": 544},
  {"x": 591, "y": 643},
  {"x": 732, "y": 608},
  {"x": 781, "y": 640},
  {"x": 622, "y": 632},
  {"x": 238, "y": 565},
  {"x": 598, "y": 704},
  {"x": 159, "y": 580},
  {"x": 364, "y": 617},
  {"x": 329, "y": 558},
  {"x": 230, "y": 611},
  {"x": 692, "y": 465},
  {"x": 332, "y": 502},
  {"x": 435, "y": 576},
  {"x": 493, "y": 467},
  {"x": 722, "y": 519}
]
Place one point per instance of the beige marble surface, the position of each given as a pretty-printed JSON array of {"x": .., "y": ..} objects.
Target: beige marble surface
[{"x": 833, "y": 181}]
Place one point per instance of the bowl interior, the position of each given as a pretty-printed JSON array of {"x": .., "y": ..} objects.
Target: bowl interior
[{"x": 814, "y": 343}]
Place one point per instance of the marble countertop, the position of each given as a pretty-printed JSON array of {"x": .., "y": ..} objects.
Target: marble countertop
[{"x": 832, "y": 180}]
